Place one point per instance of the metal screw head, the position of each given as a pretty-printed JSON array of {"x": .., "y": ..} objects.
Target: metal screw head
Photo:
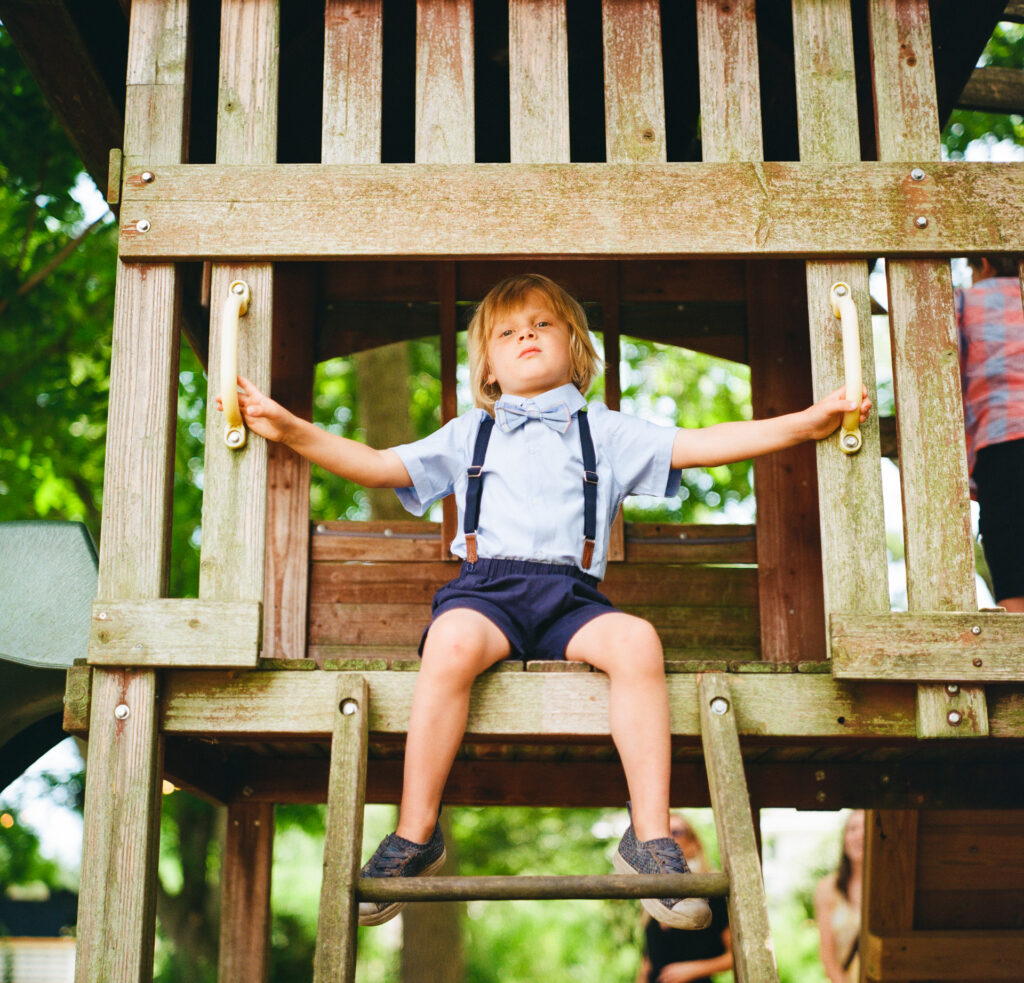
[
  {"x": 247, "y": 791},
  {"x": 952, "y": 688},
  {"x": 121, "y": 711},
  {"x": 840, "y": 289},
  {"x": 820, "y": 796},
  {"x": 921, "y": 222},
  {"x": 349, "y": 707},
  {"x": 819, "y": 776},
  {"x": 885, "y": 779},
  {"x": 976, "y": 663},
  {"x": 976, "y": 630},
  {"x": 147, "y": 176},
  {"x": 917, "y": 174},
  {"x": 142, "y": 225},
  {"x": 234, "y": 437},
  {"x": 954, "y": 717},
  {"x": 238, "y": 287},
  {"x": 102, "y": 616},
  {"x": 719, "y": 705}
]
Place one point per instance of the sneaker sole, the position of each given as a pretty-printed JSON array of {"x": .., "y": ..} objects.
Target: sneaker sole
[
  {"x": 690, "y": 914},
  {"x": 379, "y": 917}
]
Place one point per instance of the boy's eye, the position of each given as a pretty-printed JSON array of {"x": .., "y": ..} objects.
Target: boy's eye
[{"x": 543, "y": 324}]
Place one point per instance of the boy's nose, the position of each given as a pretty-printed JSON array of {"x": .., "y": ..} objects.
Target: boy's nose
[{"x": 527, "y": 332}]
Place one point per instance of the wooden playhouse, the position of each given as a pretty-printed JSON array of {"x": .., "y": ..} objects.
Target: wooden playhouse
[{"x": 701, "y": 174}]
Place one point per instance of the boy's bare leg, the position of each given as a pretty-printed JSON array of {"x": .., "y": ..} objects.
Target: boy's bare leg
[
  {"x": 629, "y": 651},
  {"x": 460, "y": 645}
]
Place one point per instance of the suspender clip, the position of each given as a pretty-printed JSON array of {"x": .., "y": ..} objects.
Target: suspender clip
[
  {"x": 590, "y": 477},
  {"x": 475, "y": 471}
]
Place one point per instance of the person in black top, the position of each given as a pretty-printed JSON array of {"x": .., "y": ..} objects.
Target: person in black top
[{"x": 672, "y": 955}]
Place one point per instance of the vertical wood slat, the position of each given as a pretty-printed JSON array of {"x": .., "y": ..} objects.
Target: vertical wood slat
[
  {"x": 538, "y": 54},
  {"x": 117, "y": 898},
  {"x": 730, "y": 88},
  {"x": 286, "y": 591},
  {"x": 245, "y": 884},
  {"x": 346, "y": 793},
  {"x": 353, "y": 82},
  {"x": 445, "y": 134},
  {"x": 788, "y": 539},
  {"x": 234, "y": 494},
  {"x": 634, "y": 88},
  {"x": 753, "y": 950},
  {"x": 854, "y": 567},
  {"x": 890, "y": 876},
  {"x": 933, "y": 464}
]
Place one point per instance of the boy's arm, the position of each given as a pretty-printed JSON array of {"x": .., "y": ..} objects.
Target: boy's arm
[
  {"x": 347, "y": 458},
  {"x": 726, "y": 443}
]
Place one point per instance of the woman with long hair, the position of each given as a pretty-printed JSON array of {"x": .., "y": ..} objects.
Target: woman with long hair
[{"x": 837, "y": 906}]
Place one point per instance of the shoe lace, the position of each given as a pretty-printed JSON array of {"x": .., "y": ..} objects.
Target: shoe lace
[
  {"x": 669, "y": 857},
  {"x": 391, "y": 857}
]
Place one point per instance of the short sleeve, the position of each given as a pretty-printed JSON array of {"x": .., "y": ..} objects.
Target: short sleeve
[
  {"x": 435, "y": 462},
  {"x": 639, "y": 452}
]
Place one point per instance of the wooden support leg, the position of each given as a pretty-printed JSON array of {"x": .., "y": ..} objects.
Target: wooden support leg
[
  {"x": 245, "y": 894},
  {"x": 346, "y": 793},
  {"x": 890, "y": 875},
  {"x": 754, "y": 953},
  {"x": 117, "y": 899}
]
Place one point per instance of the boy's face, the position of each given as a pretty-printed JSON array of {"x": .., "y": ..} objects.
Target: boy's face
[{"x": 528, "y": 349}]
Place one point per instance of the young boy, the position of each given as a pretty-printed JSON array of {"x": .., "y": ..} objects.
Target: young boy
[{"x": 537, "y": 493}]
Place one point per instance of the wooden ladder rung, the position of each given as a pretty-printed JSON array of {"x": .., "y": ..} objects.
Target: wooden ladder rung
[{"x": 543, "y": 888}]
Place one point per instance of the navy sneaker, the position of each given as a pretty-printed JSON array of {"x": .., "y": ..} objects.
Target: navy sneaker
[
  {"x": 661, "y": 856},
  {"x": 399, "y": 857}
]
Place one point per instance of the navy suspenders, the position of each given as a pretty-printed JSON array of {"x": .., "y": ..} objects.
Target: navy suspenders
[{"x": 474, "y": 486}]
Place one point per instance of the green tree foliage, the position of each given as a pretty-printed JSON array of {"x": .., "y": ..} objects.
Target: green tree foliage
[{"x": 56, "y": 300}]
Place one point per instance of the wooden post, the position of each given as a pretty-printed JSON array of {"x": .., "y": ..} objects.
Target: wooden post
[
  {"x": 445, "y": 134},
  {"x": 233, "y": 558},
  {"x": 854, "y": 569},
  {"x": 929, "y": 408},
  {"x": 890, "y": 874},
  {"x": 336, "y": 928},
  {"x": 788, "y": 540},
  {"x": 245, "y": 892},
  {"x": 753, "y": 951},
  {"x": 117, "y": 899}
]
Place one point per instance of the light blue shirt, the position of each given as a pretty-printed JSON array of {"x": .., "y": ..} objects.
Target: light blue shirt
[{"x": 532, "y": 501}]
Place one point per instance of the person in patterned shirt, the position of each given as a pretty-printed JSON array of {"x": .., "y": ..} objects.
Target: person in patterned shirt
[{"x": 990, "y": 326}]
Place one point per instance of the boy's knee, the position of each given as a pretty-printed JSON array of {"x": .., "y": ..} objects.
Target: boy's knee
[{"x": 455, "y": 641}]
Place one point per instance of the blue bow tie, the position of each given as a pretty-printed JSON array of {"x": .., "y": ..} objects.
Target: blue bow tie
[{"x": 510, "y": 415}]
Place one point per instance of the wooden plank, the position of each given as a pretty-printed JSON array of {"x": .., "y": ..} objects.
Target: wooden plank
[
  {"x": 754, "y": 951},
  {"x": 933, "y": 466},
  {"x": 975, "y": 858},
  {"x": 317, "y": 211},
  {"x": 447, "y": 294},
  {"x": 179, "y": 632},
  {"x": 245, "y": 893},
  {"x": 994, "y": 90},
  {"x": 553, "y": 704},
  {"x": 634, "y": 88},
  {"x": 353, "y": 74},
  {"x": 117, "y": 913},
  {"x": 538, "y": 55},
  {"x": 854, "y": 571},
  {"x": 946, "y": 955},
  {"x": 444, "y": 82},
  {"x": 336, "y": 929},
  {"x": 928, "y": 647},
  {"x": 890, "y": 868},
  {"x": 286, "y": 576},
  {"x": 730, "y": 90}
]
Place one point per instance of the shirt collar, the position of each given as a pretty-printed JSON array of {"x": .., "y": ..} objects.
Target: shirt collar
[{"x": 567, "y": 394}]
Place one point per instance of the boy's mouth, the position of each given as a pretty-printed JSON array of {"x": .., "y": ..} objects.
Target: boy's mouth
[{"x": 532, "y": 350}]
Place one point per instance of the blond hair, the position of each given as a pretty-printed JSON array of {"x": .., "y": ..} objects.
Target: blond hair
[{"x": 508, "y": 296}]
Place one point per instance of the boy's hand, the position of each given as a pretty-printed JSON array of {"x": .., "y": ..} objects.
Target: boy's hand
[
  {"x": 262, "y": 415},
  {"x": 824, "y": 417}
]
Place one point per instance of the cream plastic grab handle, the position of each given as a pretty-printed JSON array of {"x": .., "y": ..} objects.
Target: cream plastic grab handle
[
  {"x": 843, "y": 308},
  {"x": 235, "y": 306}
]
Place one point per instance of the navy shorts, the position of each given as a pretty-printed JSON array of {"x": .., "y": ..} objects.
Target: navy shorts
[
  {"x": 537, "y": 606},
  {"x": 999, "y": 476}
]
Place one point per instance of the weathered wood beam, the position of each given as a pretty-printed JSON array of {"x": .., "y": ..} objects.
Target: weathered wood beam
[
  {"x": 994, "y": 90},
  {"x": 319, "y": 211},
  {"x": 919, "y": 647},
  {"x": 945, "y": 955}
]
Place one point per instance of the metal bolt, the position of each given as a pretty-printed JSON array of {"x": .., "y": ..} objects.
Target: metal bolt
[
  {"x": 976, "y": 663},
  {"x": 349, "y": 707},
  {"x": 121, "y": 711},
  {"x": 851, "y": 440},
  {"x": 917, "y": 174},
  {"x": 819, "y": 776},
  {"x": 234, "y": 438},
  {"x": 238, "y": 288},
  {"x": 147, "y": 176},
  {"x": 841, "y": 290},
  {"x": 885, "y": 779},
  {"x": 719, "y": 705},
  {"x": 820, "y": 796},
  {"x": 976, "y": 630},
  {"x": 102, "y": 616},
  {"x": 954, "y": 717},
  {"x": 247, "y": 791},
  {"x": 142, "y": 225},
  {"x": 952, "y": 688},
  {"x": 138, "y": 646},
  {"x": 921, "y": 222}
]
